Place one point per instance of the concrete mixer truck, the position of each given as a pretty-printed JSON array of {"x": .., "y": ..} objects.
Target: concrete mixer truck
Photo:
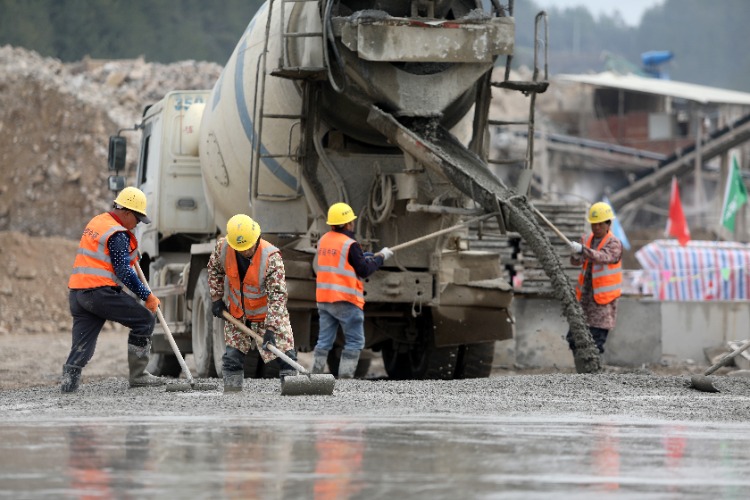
[{"x": 379, "y": 104}]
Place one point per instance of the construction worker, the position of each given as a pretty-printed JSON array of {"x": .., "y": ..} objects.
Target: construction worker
[
  {"x": 256, "y": 293},
  {"x": 107, "y": 252},
  {"x": 600, "y": 280},
  {"x": 340, "y": 267}
]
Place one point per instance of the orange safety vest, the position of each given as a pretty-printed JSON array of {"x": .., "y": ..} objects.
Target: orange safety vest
[
  {"x": 606, "y": 279},
  {"x": 336, "y": 279},
  {"x": 93, "y": 266},
  {"x": 248, "y": 299}
]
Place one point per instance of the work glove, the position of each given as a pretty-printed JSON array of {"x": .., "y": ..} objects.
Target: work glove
[
  {"x": 576, "y": 247},
  {"x": 269, "y": 338},
  {"x": 386, "y": 252},
  {"x": 152, "y": 303},
  {"x": 217, "y": 308}
]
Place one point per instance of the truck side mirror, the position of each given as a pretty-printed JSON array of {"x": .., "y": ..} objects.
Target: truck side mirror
[
  {"x": 117, "y": 149},
  {"x": 116, "y": 183}
]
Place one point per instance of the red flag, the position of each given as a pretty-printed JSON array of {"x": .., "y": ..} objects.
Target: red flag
[{"x": 677, "y": 224}]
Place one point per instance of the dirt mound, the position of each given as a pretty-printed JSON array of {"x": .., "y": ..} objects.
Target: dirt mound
[{"x": 55, "y": 120}]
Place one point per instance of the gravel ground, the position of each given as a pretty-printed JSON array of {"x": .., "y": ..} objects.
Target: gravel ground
[
  {"x": 29, "y": 390},
  {"x": 625, "y": 395}
]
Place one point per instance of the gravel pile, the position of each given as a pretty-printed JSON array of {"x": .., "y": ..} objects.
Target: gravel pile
[{"x": 625, "y": 395}]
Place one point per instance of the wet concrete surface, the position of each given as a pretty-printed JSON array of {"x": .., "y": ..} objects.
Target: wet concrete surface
[{"x": 579, "y": 436}]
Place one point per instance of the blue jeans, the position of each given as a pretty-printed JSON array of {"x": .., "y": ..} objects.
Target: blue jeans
[
  {"x": 598, "y": 334},
  {"x": 352, "y": 321}
]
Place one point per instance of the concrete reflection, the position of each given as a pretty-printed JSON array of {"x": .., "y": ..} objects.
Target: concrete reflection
[
  {"x": 327, "y": 458},
  {"x": 340, "y": 447}
]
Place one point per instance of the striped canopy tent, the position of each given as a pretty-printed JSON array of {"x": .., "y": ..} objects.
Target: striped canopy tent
[{"x": 701, "y": 270}]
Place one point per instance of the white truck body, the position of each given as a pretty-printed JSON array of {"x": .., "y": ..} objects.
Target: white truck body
[{"x": 285, "y": 132}]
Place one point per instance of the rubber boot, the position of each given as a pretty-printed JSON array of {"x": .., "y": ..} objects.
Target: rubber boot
[
  {"x": 71, "y": 378},
  {"x": 233, "y": 381},
  {"x": 284, "y": 368},
  {"x": 233, "y": 363},
  {"x": 137, "y": 361},
  {"x": 320, "y": 358},
  {"x": 348, "y": 363}
]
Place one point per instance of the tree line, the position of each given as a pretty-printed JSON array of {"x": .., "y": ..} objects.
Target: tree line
[{"x": 706, "y": 37}]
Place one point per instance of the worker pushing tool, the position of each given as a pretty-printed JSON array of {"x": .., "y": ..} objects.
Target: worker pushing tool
[
  {"x": 340, "y": 265},
  {"x": 256, "y": 293},
  {"x": 107, "y": 252},
  {"x": 600, "y": 279}
]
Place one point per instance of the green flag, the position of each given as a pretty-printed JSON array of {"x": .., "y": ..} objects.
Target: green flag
[{"x": 735, "y": 195}]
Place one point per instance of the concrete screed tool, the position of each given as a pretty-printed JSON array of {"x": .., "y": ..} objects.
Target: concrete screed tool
[
  {"x": 307, "y": 384},
  {"x": 703, "y": 382},
  {"x": 191, "y": 383}
]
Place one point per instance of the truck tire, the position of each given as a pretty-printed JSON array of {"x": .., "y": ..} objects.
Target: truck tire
[
  {"x": 475, "y": 360},
  {"x": 164, "y": 365},
  {"x": 423, "y": 359},
  {"x": 203, "y": 328}
]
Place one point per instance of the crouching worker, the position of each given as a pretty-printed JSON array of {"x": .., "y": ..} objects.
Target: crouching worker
[
  {"x": 104, "y": 263},
  {"x": 251, "y": 271}
]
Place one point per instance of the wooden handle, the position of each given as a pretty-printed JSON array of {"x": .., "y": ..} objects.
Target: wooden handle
[
  {"x": 725, "y": 359},
  {"x": 259, "y": 340},
  {"x": 165, "y": 326},
  {"x": 551, "y": 226},
  {"x": 438, "y": 233}
]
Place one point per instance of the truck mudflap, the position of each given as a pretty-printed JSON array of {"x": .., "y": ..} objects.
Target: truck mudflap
[{"x": 473, "y": 313}]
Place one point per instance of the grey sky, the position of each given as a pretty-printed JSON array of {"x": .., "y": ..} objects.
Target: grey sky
[{"x": 631, "y": 10}]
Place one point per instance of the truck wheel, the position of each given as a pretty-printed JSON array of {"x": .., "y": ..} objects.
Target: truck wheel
[
  {"x": 475, "y": 360},
  {"x": 164, "y": 365},
  {"x": 422, "y": 360},
  {"x": 203, "y": 327},
  {"x": 363, "y": 365}
]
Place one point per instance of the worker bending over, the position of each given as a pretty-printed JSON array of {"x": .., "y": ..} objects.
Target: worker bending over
[{"x": 251, "y": 271}]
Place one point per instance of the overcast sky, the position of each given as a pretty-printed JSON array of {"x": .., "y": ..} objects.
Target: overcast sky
[{"x": 631, "y": 10}]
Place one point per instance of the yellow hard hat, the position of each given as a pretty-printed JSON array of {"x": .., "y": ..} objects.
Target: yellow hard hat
[
  {"x": 242, "y": 232},
  {"x": 134, "y": 200},
  {"x": 340, "y": 214},
  {"x": 600, "y": 212}
]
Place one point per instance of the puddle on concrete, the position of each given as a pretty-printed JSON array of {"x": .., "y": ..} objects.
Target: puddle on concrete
[{"x": 435, "y": 458}]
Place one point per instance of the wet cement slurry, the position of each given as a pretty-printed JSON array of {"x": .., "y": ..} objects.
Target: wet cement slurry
[
  {"x": 416, "y": 457},
  {"x": 578, "y": 436}
]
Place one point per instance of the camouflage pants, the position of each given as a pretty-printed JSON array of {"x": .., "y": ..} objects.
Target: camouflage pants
[{"x": 242, "y": 341}]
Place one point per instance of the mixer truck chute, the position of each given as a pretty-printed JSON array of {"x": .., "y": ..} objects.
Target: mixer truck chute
[{"x": 370, "y": 103}]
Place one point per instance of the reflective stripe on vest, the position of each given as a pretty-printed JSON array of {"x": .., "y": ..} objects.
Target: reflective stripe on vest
[
  {"x": 336, "y": 279},
  {"x": 606, "y": 279},
  {"x": 249, "y": 298},
  {"x": 93, "y": 266}
]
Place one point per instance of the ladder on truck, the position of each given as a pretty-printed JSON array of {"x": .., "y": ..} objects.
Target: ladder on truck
[
  {"x": 538, "y": 85},
  {"x": 284, "y": 70}
]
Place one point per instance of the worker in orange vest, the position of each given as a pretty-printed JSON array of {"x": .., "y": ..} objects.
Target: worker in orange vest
[
  {"x": 600, "y": 280},
  {"x": 255, "y": 292},
  {"x": 107, "y": 252},
  {"x": 340, "y": 266}
]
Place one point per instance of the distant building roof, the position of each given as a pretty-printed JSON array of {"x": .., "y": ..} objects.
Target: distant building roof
[{"x": 690, "y": 91}]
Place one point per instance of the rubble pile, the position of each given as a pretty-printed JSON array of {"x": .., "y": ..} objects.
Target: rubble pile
[{"x": 55, "y": 120}]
